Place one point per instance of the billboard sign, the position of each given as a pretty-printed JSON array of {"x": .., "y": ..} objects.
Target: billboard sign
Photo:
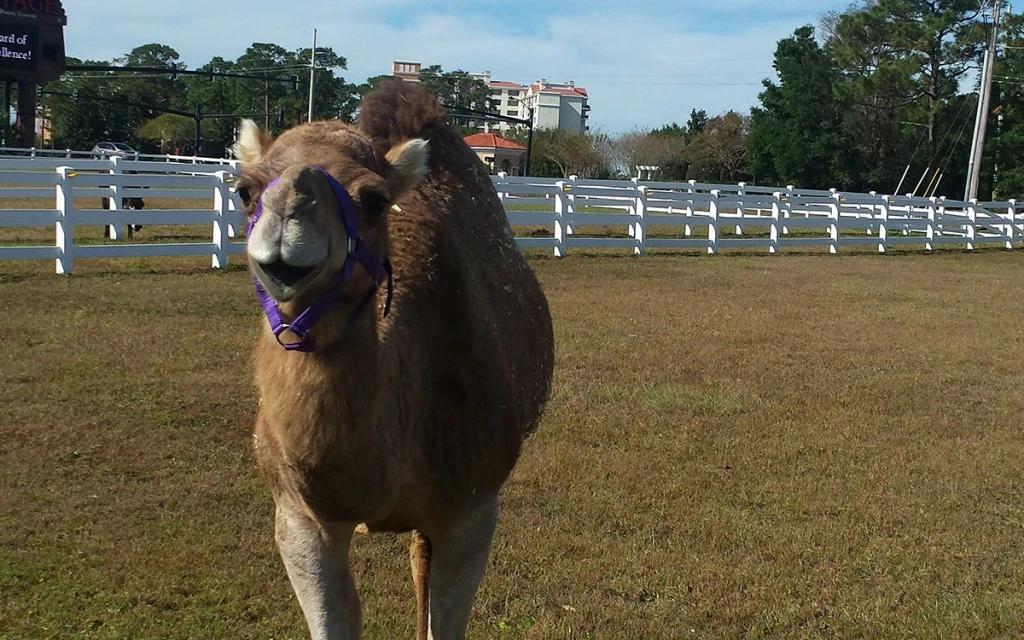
[
  {"x": 32, "y": 40},
  {"x": 19, "y": 47}
]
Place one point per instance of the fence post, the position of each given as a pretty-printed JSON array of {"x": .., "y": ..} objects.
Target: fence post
[
  {"x": 235, "y": 219},
  {"x": 688, "y": 228},
  {"x": 871, "y": 217},
  {"x": 1011, "y": 214},
  {"x": 570, "y": 207},
  {"x": 499, "y": 186},
  {"x": 740, "y": 209},
  {"x": 883, "y": 224},
  {"x": 929, "y": 244},
  {"x": 833, "y": 227},
  {"x": 773, "y": 237},
  {"x": 972, "y": 223},
  {"x": 787, "y": 211},
  {"x": 114, "y": 201},
  {"x": 561, "y": 203},
  {"x": 65, "y": 226},
  {"x": 713, "y": 225},
  {"x": 630, "y": 230},
  {"x": 221, "y": 215},
  {"x": 640, "y": 221}
]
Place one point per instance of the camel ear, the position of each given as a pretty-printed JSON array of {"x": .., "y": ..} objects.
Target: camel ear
[
  {"x": 409, "y": 161},
  {"x": 252, "y": 142}
]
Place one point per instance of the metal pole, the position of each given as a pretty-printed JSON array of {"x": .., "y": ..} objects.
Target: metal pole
[
  {"x": 199, "y": 120},
  {"x": 25, "y": 126},
  {"x": 266, "y": 103},
  {"x": 529, "y": 145},
  {"x": 981, "y": 123},
  {"x": 312, "y": 77}
]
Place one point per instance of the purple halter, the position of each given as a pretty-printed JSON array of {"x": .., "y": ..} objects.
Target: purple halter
[{"x": 358, "y": 252}]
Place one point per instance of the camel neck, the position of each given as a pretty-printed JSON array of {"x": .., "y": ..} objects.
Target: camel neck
[{"x": 321, "y": 398}]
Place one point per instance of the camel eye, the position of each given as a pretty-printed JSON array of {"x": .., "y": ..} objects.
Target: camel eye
[
  {"x": 245, "y": 195},
  {"x": 374, "y": 203}
]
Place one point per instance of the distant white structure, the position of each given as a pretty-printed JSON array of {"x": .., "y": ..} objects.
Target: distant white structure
[
  {"x": 408, "y": 71},
  {"x": 499, "y": 154},
  {"x": 558, "y": 105},
  {"x": 506, "y": 100},
  {"x": 554, "y": 105}
]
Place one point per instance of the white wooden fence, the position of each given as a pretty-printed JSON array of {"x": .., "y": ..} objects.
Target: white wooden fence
[
  {"x": 39, "y": 152},
  {"x": 566, "y": 214},
  {"x": 714, "y": 217},
  {"x": 63, "y": 181}
]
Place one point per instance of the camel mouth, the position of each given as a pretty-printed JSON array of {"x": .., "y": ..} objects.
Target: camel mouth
[{"x": 283, "y": 281}]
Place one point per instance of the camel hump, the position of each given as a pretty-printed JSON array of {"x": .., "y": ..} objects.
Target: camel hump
[{"x": 396, "y": 111}]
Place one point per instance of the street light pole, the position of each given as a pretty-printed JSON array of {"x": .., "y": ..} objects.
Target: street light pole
[
  {"x": 984, "y": 103},
  {"x": 312, "y": 77}
]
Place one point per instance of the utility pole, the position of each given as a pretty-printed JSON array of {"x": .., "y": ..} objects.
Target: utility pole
[
  {"x": 312, "y": 77},
  {"x": 984, "y": 103},
  {"x": 199, "y": 129}
]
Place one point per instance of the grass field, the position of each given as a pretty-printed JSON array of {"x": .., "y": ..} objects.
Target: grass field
[{"x": 740, "y": 446}]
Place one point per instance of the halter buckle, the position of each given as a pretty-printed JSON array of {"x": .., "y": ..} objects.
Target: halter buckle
[{"x": 300, "y": 345}]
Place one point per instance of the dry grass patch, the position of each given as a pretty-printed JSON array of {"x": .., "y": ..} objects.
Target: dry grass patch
[{"x": 738, "y": 446}]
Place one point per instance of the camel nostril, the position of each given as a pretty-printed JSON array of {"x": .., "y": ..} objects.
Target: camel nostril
[{"x": 285, "y": 274}]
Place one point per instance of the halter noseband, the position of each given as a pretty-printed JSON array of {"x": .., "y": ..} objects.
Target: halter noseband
[{"x": 357, "y": 252}]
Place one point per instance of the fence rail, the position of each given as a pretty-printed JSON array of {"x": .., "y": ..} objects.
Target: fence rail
[
  {"x": 116, "y": 181},
  {"x": 557, "y": 215},
  {"x": 715, "y": 217},
  {"x": 39, "y": 152}
]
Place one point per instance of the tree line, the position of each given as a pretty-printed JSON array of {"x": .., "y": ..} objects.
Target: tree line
[
  {"x": 144, "y": 109},
  {"x": 879, "y": 97}
]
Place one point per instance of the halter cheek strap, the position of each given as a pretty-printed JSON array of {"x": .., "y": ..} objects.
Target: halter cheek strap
[{"x": 357, "y": 253}]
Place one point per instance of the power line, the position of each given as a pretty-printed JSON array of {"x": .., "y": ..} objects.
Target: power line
[
  {"x": 675, "y": 84},
  {"x": 173, "y": 71},
  {"x": 709, "y": 74}
]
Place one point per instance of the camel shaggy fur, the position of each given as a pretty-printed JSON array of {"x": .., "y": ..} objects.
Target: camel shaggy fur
[{"x": 406, "y": 422}]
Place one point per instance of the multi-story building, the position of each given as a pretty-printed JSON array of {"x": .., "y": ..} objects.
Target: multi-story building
[
  {"x": 557, "y": 105},
  {"x": 506, "y": 100},
  {"x": 408, "y": 71},
  {"x": 553, "y": 105}
]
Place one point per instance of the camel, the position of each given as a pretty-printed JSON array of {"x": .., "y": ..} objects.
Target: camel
[{"x": 406, "y": 356}]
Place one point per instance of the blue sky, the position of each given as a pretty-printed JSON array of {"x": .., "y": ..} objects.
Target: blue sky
[{"x": 644, "y": 64}]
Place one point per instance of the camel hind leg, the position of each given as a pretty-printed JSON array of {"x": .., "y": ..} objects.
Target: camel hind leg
[{"x": 419, "y": 558}]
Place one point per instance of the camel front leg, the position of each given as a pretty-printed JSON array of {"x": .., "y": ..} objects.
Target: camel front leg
[
  {"x": 458, "y": 558},
  {"x": 317, "y": 563}
]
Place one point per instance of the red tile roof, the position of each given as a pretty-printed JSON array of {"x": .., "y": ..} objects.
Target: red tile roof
[
  {"x": 491, "y": 141},
  {"x": 501, "y": 84},
  {"x": 578, "y": 91}
]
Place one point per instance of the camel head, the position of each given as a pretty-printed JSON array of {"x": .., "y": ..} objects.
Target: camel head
[{"x": 317, "y": 199}]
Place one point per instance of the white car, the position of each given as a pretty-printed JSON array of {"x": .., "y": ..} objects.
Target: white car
[{"x": 114, "y": 149}]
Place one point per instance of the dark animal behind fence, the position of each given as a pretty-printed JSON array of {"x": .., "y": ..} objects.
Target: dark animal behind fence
[{"x": 133, "y": 204}]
